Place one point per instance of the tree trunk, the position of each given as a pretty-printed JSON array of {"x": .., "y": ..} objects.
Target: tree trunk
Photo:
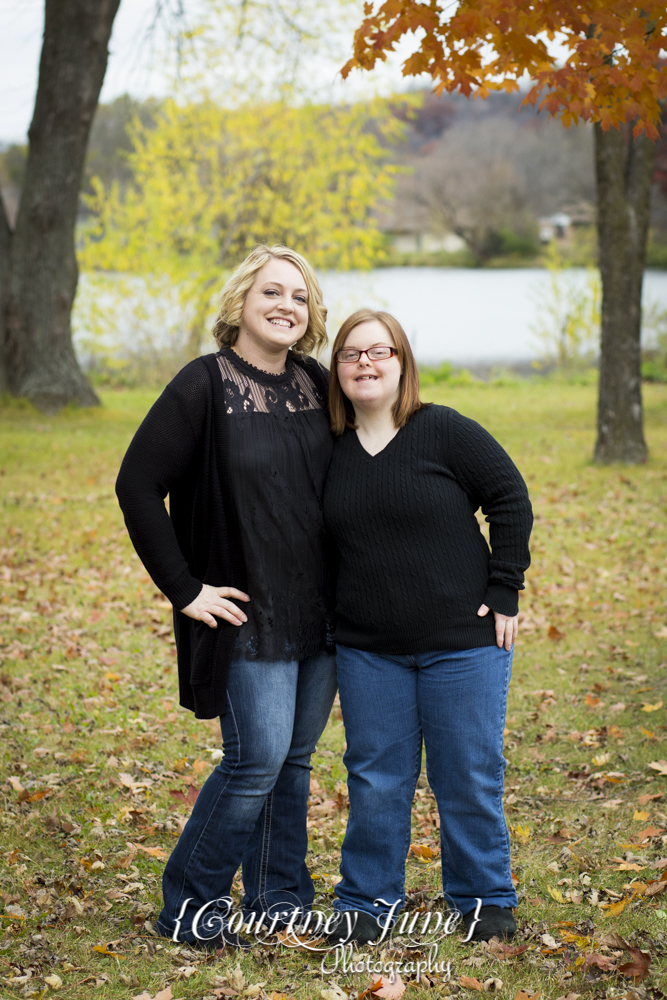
[
  {"x": 5, "y": 246},
  {"x": 624, "y": 169},
  {"x": 40, "y": 270}
]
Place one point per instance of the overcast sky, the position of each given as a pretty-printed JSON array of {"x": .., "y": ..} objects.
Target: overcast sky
[
  {"x": 135, "y": 62},
  {"x": 132, "y": 66}
]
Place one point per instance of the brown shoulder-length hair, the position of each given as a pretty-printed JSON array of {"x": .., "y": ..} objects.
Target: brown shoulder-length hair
[{"x": 341, "y": 411}]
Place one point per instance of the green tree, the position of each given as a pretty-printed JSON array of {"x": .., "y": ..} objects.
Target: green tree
[{"x": 209, "y": 182}]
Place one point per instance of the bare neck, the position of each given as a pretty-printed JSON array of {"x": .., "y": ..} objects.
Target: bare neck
[{"x": 375, "y": 428}]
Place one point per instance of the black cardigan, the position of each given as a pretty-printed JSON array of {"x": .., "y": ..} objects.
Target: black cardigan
[{"x": 179, "y": 450}]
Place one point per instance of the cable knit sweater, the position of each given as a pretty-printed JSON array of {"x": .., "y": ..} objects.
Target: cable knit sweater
[{"x": 414, "y": 566}]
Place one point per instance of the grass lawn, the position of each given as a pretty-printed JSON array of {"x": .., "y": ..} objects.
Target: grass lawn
[{"x": 100, "y": 763}]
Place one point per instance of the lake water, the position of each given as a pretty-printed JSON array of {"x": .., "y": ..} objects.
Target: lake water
[{"x": 462, "y": 315}]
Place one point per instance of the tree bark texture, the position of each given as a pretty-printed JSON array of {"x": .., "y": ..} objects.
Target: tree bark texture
[
  {"x": 5, "y": 246},
  {"x": 38, "y": 268},
  {"x": 624, "y": 169}
]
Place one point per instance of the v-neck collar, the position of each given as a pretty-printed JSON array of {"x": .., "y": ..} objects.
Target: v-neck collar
[{"x": 382, "y": 451}]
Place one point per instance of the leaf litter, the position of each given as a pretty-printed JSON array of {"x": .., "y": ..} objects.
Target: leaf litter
[{"x": 102, "y": 768}]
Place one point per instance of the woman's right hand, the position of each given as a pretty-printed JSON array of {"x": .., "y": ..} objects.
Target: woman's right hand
[{"x": 211, "y": 601}]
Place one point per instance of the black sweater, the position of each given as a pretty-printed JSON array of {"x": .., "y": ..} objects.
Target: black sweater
[
  {"x": 182, "y": 449},
  {"x": 414, "y": 565}
]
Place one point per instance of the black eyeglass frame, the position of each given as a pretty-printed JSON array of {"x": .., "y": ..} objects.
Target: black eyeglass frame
[{"x": 359, "y": 353}]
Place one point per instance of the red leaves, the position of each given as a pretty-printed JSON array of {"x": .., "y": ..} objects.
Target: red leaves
[
  {"x": 506, "y": 951},
  {"x": 388, "y": 990},
  {"x": 588, "y": 85},
  {"x": 638, "y": 968},
  {"x": 603, "y": 962},
  {"x": 470, "y": 983},
  {"x": 191, "y": 796}
]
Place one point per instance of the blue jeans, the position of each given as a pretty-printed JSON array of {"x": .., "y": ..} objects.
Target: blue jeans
[
  {"x": 252, "y": 809},
  {"x": 455, "y": 701}
]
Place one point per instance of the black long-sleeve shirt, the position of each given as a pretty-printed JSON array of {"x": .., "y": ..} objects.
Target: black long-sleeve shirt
[
  {"x": 187, "y": 447},
  {"x": 414, "y": 566}
]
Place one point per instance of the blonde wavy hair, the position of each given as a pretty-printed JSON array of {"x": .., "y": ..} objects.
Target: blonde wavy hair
[{"x": 236, "y": 288}]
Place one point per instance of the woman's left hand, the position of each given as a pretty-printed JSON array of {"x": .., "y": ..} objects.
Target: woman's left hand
[{"x": 507, "y": 629}]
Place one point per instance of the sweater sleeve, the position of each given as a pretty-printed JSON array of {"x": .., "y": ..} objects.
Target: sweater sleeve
[
  {"x": 493, "y": 482},
  {"x": 160, "y": 453}
]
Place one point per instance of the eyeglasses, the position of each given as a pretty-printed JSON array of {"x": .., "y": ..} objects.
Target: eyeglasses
[{"x": 349, "y": 356}]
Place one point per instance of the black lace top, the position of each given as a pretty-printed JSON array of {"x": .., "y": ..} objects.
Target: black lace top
[{"x": 278, "y": 460}]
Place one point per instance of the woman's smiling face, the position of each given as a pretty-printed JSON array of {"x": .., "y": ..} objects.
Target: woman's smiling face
[
  {"x": 367, "y": 383},
  {"x": 275, "y": 312}
]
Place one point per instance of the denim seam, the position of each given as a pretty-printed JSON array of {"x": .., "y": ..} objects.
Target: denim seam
[
  {"x": 266, "y": 843},
  {"x": 501, "y": 775},
  {"x": 221, "y": 792},
  {"x": 416, "y": 773}
]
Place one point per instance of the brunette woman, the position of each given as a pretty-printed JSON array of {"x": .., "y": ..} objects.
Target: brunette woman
[
  {"x": 240, "y": 441},
  {"x": 426, "y": 618}
]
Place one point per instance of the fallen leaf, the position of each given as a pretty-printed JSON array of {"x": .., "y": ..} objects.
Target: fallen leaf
[
  {"x": 470, "y": 983},
  {"x": 650, "y": 831},
  {"x": 547, "y": 940},
  {"x": 556, "y": 894},
  {"x": 189, "y": 799},
  {"x": 523, "y": 995},
  {"x": 54, "y": 981},
  {"x": 422, "y": 851},
  {"x": 628, "y": 866},
  {"x": 237, "y": 979},
  {"x": 591, "y": 701},
  {"x": 555, "y": 633},
  {"x": 641, "y": 815},
  {"x": 507, "y": 951},
  {"x": 615, "y": 908},
  {"x": 492, "y": 985},
  {"x": 644, "y": 800},
  {"x": 655, "y": 888},
  {"x": 638, "y": 968},
  {"x": 646, "y": 707},
  {"x": 333, "y": 993},
  {"x": 154, "y": 852},
  {"x": 603, "y": 962},
  {"x": 614, "y": 940},
  {"x": 389, "y": 990},
  {"x": 659, "y": 765},
  {"x": 601, "y": 759},
  {"x": 103, "y": 950},
  {"x": 165, "y": 994}
]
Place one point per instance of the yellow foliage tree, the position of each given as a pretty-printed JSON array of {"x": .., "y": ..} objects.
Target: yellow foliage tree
[{"x": 209, "y": 182}]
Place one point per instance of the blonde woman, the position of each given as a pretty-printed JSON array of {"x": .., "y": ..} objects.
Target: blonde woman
[{"x": 240, "y": 441}]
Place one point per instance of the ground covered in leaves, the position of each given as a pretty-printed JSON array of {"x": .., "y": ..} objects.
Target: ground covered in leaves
[{"x": 100, "y": 766}]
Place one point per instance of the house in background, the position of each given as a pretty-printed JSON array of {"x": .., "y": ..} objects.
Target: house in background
[
  {"x": 411, "y": 231},
  {"x": 561, "y": 225}
]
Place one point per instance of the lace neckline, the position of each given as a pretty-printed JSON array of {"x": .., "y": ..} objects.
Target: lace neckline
[{"x": 258, "y": 374}]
